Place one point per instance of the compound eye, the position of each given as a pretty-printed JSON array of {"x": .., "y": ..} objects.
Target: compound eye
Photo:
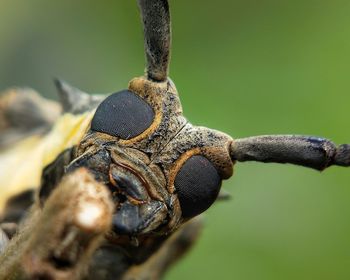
[
  {"x": 123, "y": 114},
  {"x": 197, "y": 184}
]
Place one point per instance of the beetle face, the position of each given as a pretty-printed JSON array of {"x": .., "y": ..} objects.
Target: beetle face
[{"x": 160, "y": 169}]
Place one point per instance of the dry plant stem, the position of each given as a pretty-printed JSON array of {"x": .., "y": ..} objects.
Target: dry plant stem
[{"x": 58, "y": 241}]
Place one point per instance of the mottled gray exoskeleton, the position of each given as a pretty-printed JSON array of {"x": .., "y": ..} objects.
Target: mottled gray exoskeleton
[{"x": 161, "y": 170}]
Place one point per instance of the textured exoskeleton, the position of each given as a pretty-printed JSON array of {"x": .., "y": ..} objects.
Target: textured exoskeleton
[{"x": 160, "y": 170}]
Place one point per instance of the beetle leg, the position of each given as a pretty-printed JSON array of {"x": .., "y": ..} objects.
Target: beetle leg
[
  {"x": 170, "y": 252},
  {"x": 308, "y": 151}
]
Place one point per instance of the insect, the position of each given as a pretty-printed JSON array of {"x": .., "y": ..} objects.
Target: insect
[{"x": 161, "y": 170}]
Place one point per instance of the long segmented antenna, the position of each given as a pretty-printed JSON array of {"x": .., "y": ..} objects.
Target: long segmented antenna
[
  {"x": 308, "y": 151},
  {"x": 157, "y": 37}
]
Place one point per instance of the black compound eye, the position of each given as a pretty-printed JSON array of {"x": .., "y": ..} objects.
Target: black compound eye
[
  {"x": 123, "y": 114},
  {"x": 197, "y": 184}
]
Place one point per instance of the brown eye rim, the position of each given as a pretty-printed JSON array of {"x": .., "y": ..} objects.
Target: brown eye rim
[
  {"x": 146, "y": 90},
  {"x": 197, "y": 184},
  {"x": 151, "y": 129},
  {"x": 123, "y": 114},
  {"x": 177, "y": 166},
  {"x": 151, "y": 108},
  {"x": 222, "y": 163}
]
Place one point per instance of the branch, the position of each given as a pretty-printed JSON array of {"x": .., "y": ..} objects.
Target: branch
[{"x": 58, "y": 241}]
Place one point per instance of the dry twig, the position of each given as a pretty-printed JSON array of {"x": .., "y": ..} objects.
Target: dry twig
[{"x": 58, "y": 241}]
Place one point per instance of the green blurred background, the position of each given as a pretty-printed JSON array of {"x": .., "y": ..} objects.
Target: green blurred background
[{"x": 243, "y": 67}]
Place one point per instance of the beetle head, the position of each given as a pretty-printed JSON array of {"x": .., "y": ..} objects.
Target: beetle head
[{"x": 160, "y": 169}]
